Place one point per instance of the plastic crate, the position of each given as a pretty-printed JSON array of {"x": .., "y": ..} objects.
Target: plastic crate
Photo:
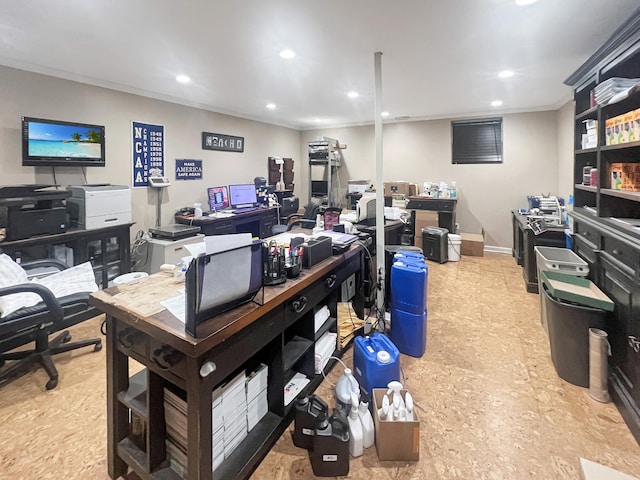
[{"x": 561, "y": 260}]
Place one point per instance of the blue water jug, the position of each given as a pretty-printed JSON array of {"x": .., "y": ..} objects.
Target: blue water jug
[
  {"x": 376, "y": 362},
  {"x": 409, "y": 331},
  {"x": 409, "y": 286}
]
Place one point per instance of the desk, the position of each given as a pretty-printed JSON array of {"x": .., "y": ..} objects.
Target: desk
[
  {"x": 258, "y": 223},
  {"x": 446, "y": 208},
  {"x": 273, "y": 333},
  {"x": 524, "y": 240}
]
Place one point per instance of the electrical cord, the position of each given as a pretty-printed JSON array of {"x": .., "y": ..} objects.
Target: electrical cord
[{"x": 138, "y": 257}]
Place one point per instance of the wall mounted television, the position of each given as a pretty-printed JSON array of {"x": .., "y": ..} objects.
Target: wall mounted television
[{"x": 58, "y": 144}]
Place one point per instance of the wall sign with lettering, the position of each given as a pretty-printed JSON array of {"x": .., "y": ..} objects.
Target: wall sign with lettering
[
  {"x": 188, "y": 169},
  {"x": 148, "y": 152},
  {"x": 222, "y": 143}
]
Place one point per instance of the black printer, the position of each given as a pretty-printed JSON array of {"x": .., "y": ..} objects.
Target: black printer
[{"x": 30, "y": 210}]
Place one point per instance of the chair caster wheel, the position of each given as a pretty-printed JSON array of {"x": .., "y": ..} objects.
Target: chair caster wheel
[
  {"x": 66, "y": 338},
  {"x": 98, "y": 347},
  {"x": 51, "y": 384}
]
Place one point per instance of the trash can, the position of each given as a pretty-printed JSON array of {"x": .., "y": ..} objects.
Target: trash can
[
  {"x": 573, "y": 305},
  {"x": 560, "y": 260}
]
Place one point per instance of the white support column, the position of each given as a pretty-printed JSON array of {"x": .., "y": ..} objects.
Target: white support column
[{"x": 380, "y": 251}]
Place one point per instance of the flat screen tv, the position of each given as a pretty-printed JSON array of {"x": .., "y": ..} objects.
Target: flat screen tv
[{"x": 57, "y": 144}]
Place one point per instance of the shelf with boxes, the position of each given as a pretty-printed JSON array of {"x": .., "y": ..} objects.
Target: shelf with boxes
[{"x": 606, "y": 235}]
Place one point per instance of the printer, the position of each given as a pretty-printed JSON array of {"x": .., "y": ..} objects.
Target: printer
[
  {"x": 97, "y": 206},
  {"x": 30, "y": 210}
]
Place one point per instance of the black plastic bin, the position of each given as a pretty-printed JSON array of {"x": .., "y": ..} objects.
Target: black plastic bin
[{"x": 569, "y": 337}]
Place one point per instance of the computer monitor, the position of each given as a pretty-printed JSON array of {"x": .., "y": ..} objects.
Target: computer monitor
[
  {"x": 218, "y": 198},
  {"x": 243, "y": 195}
]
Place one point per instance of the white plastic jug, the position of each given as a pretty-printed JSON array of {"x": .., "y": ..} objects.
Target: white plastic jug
[{"x": 346, "y": 385}]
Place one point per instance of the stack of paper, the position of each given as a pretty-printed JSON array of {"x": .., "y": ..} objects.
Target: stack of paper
[
  {"x": 320, "y": 317},
  {"x": 234, "y": 413},
  {"x": 257, "y": 403},
  {"x": 175, "y": 412},
  {"x": 613, "y": 87},
  {"x": 324, "y": 349}
]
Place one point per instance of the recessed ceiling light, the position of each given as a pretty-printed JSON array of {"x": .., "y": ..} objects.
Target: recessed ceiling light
[
  {"x": 385, "y": 114},
  {"x": 271, "y": 106},
  {"x": 496, "y": 103},
  {"x": 525, "y": 2},
  {"x": 352, "y": 94},
  {"x": 288, "y": 54},
  {"x": 506, "y": 74},
  {"x": 182, "y": 79}
]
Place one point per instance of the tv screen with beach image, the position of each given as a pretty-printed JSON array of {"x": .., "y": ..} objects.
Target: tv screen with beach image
[{"x": 64, "y": 141}]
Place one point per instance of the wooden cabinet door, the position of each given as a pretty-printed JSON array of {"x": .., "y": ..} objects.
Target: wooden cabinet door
[{"x": 624, "y": 334}]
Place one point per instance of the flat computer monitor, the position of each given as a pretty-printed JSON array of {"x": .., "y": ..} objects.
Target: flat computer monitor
[
  {"x": 218, "y": 198},
  {"x": 243, "y": 195}
]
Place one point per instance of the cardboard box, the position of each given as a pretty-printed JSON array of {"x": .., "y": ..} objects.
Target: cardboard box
[
  {"x": 472, "y": 244},
  {"x": 609, "y": 139},
  {"x": 405, "y": 188},
  {"x": 425, "y": 218},
  {"x": 616, "y": 176},
  {"x": 636, "y": 125},
  {"x": 395, "y": 440},
  {"x": 417, "y": 241},
  {"x": 627, "y": 126}
]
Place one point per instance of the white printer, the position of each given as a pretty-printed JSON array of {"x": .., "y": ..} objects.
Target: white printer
[{"x": 96, "y": 206}]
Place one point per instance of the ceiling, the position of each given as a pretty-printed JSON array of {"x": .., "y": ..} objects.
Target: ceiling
[{"x": 440, "y": 57}]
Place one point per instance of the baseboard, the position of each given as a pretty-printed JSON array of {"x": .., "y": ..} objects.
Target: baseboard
[{"x": 505, "y": 250}]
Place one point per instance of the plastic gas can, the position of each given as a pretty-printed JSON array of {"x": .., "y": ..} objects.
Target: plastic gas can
[
  {"x": 409, "y": 286},
  {"x": 409, "y": 331},
  {"x": 330, "y": 454},
  {"x": 307, "y": 411},
  {"x": 376, "y": 362}
]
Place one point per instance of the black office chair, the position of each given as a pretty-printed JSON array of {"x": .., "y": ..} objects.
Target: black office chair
[
  {"x": 299, "y": 220},
  {"x": 36, "y": 323}
]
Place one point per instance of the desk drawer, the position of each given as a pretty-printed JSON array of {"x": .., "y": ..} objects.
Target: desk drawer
[
  {"x": 623, "y": 252},
  {"x": 223, "y": 227},
  {"x": 245, "y": 344},
  {"x": 167, "y": 358},
  {"x": 303, "y": 302},
  {"x": 589, "y": 252},
  {"x": 131, "y": 341},
  {"x": 589, "y": 233},
  {"x": 446, "y": 206}
]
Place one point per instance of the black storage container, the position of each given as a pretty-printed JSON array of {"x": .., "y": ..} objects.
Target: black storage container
[
  {"x": 434, "y": 244},
  {"x": 569, "y": 336}
]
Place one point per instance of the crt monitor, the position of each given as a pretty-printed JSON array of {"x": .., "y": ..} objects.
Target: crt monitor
[
  {"x": 243, "y": 195},
  {"x": 218, "y": 198}
]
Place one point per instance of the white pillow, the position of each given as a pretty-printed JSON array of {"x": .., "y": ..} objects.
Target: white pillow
[{"x": 72, "y": 280}]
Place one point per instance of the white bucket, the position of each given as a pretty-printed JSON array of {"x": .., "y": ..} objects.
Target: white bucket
[
  {"x": 129, "y": 277},
  {"x": 455, "y": 243}
]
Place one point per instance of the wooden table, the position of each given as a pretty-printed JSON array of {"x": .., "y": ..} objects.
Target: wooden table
[{"x": 140, "y": 328}]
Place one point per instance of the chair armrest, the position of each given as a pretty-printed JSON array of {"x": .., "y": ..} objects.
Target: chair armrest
[
  {"x": 302, "y": 223},
  {"x": 47, "y": 296},
  {"x": 293, "y": 217}
]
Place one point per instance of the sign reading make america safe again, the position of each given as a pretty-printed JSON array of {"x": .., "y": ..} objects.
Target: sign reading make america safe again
[{"x": 221, "y": 142}]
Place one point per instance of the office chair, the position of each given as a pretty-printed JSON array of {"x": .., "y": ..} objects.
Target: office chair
[
  {"x": 301, "y": 220},
  {"x": 36, "y": 323}
]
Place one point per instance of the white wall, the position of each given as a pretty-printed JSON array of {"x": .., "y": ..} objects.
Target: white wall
[
  {"x": 566, "y": 116},
  {"x": 28, "y": 94},
  {"x": 537, "y": 151},
  {"x": 421, "y": 151}
]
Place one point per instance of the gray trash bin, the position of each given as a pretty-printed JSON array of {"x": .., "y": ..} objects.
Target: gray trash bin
[{"x": 560, "y": 260}]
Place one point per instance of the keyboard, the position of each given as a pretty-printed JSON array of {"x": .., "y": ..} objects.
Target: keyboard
[{"x": 244, "y": 210}]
